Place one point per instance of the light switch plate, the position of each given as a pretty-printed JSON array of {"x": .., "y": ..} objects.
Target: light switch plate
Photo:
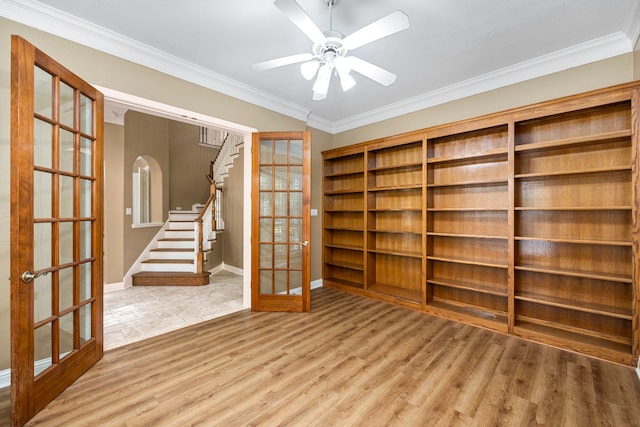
[{"x": 314, "y": 212}]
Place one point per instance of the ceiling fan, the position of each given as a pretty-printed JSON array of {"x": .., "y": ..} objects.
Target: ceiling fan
[{"x": 330, "y": 49}]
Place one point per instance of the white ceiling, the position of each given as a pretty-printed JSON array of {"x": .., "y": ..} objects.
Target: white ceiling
[{"x": 454, "y": 48}]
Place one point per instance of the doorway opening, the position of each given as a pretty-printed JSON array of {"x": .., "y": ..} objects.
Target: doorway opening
[{"x": 116, "y": 105}]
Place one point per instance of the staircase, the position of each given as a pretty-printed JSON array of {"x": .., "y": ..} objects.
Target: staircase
[
  {"x": 177, "y": 254},
  {"x": 171, "y": 259}
]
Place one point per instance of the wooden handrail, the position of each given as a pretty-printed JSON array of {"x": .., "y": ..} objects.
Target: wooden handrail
[{"x": 199, "y": 236}]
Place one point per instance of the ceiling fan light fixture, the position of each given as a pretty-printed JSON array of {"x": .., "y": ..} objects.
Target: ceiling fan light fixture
[
  {"x": 309, "y": 69},
  {"x": 346, "y": 81},
  {"x": 343, "y": 67},
  {"x": 321, "y": 86},
  {"x": 318, "y": 96}
]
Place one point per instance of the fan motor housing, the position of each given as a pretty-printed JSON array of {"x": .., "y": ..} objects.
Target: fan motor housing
[{"x": 331, "y": 48}]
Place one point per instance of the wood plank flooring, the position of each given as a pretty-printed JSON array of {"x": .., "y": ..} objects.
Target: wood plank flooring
[{"x": 351, "y": 361}]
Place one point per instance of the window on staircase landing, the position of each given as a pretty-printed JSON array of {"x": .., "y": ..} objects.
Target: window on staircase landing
[
  {"x": 141, "y": 192},
  {"x": 146, "y": 192}
]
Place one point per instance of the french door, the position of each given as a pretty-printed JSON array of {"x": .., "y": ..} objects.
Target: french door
[
  {"x": 280, "y": 221},
  {"x": 56, "y": 228}
]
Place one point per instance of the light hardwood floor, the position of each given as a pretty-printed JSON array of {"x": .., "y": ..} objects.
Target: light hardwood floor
[{"x": 351, "y": 361}]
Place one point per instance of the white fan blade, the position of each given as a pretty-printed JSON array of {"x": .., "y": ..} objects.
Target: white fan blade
[
  {"x": 279, "y": 62},
  {"x": 371, "y": 71},
  {"x": 298, "y": 16},
  {"x": 390, "y": 24}
]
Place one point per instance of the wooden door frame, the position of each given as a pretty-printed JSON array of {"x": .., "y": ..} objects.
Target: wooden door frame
[{"x": 198, "y": 119}]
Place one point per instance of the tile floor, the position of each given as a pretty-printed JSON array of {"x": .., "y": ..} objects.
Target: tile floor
[{"x": 140, "y": 312}]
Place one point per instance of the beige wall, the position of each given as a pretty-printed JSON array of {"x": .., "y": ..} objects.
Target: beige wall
[
  {"x": 189, "y": 165},
  {"x": 143, "y": 135},
  {"x": 214, "y": 258},
  {"x": 232, "y": 208},
  {"x": 636, "y": 61},
  {"x": 114, "y": 203},
  {"x": 320, "y": 141},
  {"x": 5, "y": 194}
]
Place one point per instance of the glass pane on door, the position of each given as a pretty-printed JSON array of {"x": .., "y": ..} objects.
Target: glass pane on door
[
  {"x": 42, "y": 246},
  {"x": 43, "y": 93},
  {"x": 66, "y": 105},
  {"x": 65, "y": 288},
  {"x": 42, "y": 143},
  {"x": 65, "y": 335},
  {"x": 85, "y": 323},
  {"x": 42, "y": 349},
  {"x": 42, "y": 298},
  {"x": 67, "y": 151},
  {"x": 280, "y": 210},
  {"x": 42, "y": 207},
  {"x": 86, "y": 115}
]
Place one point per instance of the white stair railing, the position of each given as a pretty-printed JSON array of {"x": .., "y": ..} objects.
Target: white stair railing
[{"x": 224, "y": 160}]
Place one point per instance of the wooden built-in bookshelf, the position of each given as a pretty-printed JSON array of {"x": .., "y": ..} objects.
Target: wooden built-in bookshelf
[{"x": 525, "y": 222}]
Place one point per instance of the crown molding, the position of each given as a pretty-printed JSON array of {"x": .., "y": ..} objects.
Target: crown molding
[
  {"x": 631, "y": 25},
  {"x": 51, "y": 20},
  {"x": 62, "y": 24},
  {"x": 320, "y": 123},
  {"x": 581, "y": 54},
  {"x": 120, "y": 102}
]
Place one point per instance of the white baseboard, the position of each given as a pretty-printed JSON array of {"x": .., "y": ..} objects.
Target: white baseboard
[
  {"x": 298, "y": 291},
  {"x": 232, "y": 269},
  {"x": 40, "y": 365},
  {"x": 111, "y": 287},
  {"x": 5, "y": 378},
  {"x": 217, "y": 269}
]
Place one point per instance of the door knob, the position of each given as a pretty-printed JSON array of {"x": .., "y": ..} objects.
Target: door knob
[
  {"x": 29, "y": 277},
  {"x": 305, "y": 243}
]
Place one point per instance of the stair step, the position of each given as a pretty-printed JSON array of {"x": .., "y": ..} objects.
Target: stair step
[
  {"x": 181, "y": 234},
  {"x": 183, "y": 216},
  {"x": 167, "y": 278},
  {"x": 177, "y": 243},
  {"x": 172, "y": 253},
  {"x": 181, "y": 225},
  {"x": 168, "y": 261},
  {"x": 173, "y": 265}
]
